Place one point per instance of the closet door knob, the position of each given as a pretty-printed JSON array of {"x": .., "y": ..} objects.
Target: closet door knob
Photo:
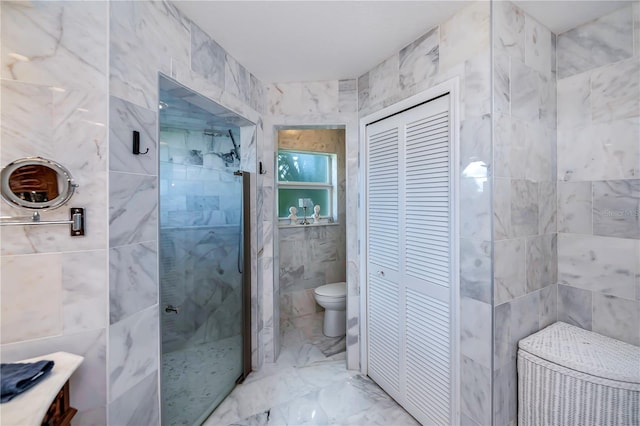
[{"x": 381, "y": 273}]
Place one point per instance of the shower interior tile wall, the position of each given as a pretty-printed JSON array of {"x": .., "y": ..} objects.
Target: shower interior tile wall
[{"x": 598, "y": 170}]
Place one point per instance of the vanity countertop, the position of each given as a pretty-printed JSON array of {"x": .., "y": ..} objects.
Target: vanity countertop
[{"x": 30, "y": 407}]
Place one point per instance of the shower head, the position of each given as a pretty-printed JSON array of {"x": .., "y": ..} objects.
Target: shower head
[{"x": 215, "y": 134}]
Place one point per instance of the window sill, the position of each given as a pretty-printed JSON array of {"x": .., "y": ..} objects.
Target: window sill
[{"x": 311, "y": 225}]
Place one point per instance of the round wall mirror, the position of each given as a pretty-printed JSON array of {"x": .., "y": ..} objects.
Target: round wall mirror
[{"x": 36, "y": 183}]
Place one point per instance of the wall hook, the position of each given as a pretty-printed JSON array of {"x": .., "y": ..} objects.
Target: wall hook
[
  {"x": 261, "y": 170},
  {"x": 136, "y": 144}
]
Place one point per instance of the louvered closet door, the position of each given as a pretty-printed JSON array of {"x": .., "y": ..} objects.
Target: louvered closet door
[{"x": 409, "y": 290}]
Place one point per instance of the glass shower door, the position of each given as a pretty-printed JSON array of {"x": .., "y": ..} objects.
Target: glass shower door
[{"x": 200, "y": 266}]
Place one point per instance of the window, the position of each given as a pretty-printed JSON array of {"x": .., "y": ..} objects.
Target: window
[{"x": 306, "y": 176}]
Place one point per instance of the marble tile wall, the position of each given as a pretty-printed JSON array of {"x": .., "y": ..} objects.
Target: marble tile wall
[
  {"x": 318, "y": 104},
  {"x": 312, "y": 256},
  {"x": 148, "y": 38},
  {"x": 597, "y": 173},
  {"x": 54, "y": 288},
  {"x": 459, "y": 47},
  {"x": 524, "y": 204}
]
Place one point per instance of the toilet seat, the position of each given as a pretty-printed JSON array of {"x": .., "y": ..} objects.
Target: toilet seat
[{"x": 334, "y": 290}]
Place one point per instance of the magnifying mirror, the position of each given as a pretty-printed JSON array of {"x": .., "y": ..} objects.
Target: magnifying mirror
[{"x": 36, "y": 183}]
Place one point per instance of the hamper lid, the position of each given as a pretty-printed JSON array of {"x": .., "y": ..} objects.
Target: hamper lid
[{"x": 585, "y": 351}]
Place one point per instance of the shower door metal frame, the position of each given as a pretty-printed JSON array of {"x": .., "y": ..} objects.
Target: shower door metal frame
[{"x": 246, "y": 276}]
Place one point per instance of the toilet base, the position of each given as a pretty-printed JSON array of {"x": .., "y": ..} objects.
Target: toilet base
[{"x": 335, "y": 323}]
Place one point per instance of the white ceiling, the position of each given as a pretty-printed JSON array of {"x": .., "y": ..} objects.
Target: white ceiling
[
  {"x": 285, "y": 41},
  {"x": 561, "y": 16}
]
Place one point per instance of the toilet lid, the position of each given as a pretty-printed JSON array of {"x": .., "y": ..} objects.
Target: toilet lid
[{"x": 332, "y": 290}]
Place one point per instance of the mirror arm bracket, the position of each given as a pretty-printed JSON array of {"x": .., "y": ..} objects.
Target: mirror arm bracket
[{"x": 76, "y": 221}]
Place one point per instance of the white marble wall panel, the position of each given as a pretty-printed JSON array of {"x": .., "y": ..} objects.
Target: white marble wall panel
[
  {"x": 502, "y": 86},
  {"x": 524, "y": 196},
  {"x": 575, "y": 207},
  {"x": 237, "y": 81},
  {"x": 524, "y": 208},
  {"x": 509, "y": 30},
  {"x": 70, "y": 119},
  {"x": 139, "y": 406},
  {"x": 615, "y": 92},
  {"x": 146, "y": 37},
  {"x": 607, "y": 151},
  {"x": 419, "y": 60},
  {"x": 84, "y": 290},
  {"x": 477, "y": 95},
  {"x": 616, "y": 208},
  {"x": 502, "y": 228},
  {"x": 541, "y": 260},
  {"x": 603, "y": 41},
  {"x": 475, "y": 269},
  {"x": 89, "y": 382},
  {"x": 547, "y": 208},
  {"x": 599, "y": 264},
  {"x": 475, "y": 400},
  {"x": 207, "y": 57},
  {"x": 26, "y": 314},
  {"x": 475, "y": 331},
  {"x": 133, "y": 279},
  {"x": 509, "y": 270},
  {"x": 55, "y": 105},
  {"x": 636, "y": 29},
  {"x": 303, "y": 98},
  {"x": 133, "y": 202},
  {"x": 347, "y": 95},
  {"x": 599, "y": 162},
  {"x": 456, "y": 45},
  {"x": 126, "y": 117},
  {"x": 537, "y": 46},
  {"x": 574, "y": 101},
  {"x": 615, "y": 317},
  {"x": 574, "y": 306},
  {"x": 524, "y": 92},
  {"x": 133, "y": 351},
  {"x": 65, "y": 47},
  {"x": 515, "y": 320},
  {"x": 548, "y": 308},
  {"x": 384, "y": 82}
]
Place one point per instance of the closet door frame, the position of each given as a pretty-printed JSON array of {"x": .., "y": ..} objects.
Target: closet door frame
[{"x": 450, "y": 87}]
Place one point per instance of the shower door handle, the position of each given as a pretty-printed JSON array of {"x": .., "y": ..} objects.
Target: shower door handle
[{"x": 171, "y": 308}]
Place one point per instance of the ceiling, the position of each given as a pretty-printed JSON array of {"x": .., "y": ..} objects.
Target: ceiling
[{"x": 286, "y": 41}]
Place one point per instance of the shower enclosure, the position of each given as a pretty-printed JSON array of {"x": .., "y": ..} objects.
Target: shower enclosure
[{"x": 201, "y": 254}]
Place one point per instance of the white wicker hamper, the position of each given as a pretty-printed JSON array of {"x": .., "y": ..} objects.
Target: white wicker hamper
[{"x": 570, "y": 376}]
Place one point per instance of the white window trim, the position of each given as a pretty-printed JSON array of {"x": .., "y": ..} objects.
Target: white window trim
[{"x": 332, "y": 186}]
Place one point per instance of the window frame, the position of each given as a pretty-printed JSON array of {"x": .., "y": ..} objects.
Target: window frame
[{"x": 332, "y": 185}]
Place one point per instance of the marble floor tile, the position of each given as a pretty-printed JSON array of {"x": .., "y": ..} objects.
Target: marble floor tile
[
  {"x": 196, "y": 378},
  {"x": 308, "y": 384}
]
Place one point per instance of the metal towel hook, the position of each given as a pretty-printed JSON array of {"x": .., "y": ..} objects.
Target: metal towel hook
[{"x": 136, "y": 144}]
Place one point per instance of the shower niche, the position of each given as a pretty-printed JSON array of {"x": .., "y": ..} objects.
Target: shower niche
[{"x": 204, "y": 327}]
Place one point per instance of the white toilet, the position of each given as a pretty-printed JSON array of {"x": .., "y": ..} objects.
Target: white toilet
[{"x": 333, "y": 298}]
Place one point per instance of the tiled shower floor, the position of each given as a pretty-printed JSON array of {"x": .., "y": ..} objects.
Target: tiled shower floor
[
  {"x": 309, "y": 384},
  {"x": 190, "y": 377}
]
